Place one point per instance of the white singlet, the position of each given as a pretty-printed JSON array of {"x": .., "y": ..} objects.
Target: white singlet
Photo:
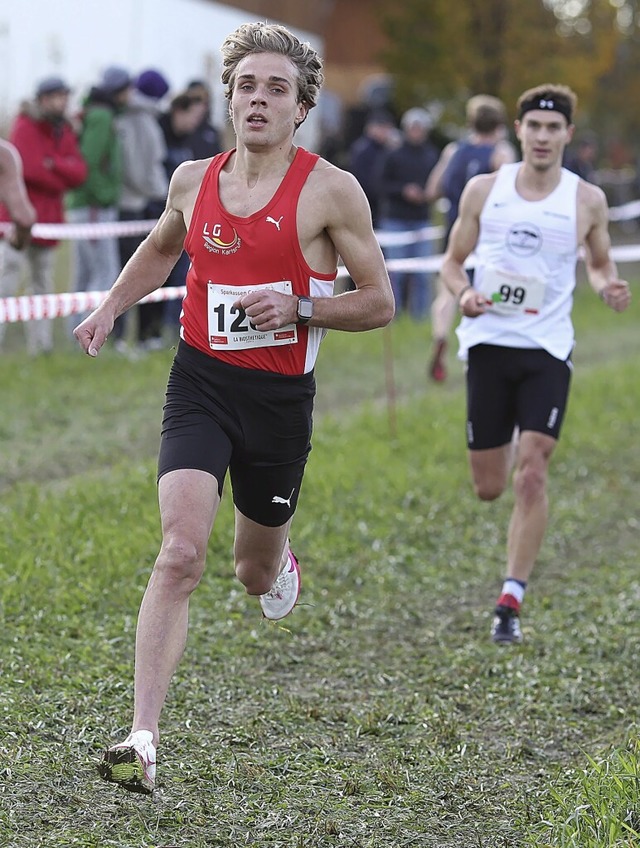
[{"x": 526, "y": 266}]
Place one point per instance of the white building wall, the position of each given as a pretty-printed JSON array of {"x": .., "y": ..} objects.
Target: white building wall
[{"x": 77, "y": 39}]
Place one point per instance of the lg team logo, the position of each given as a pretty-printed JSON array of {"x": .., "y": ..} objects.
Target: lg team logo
[
  {"x": 219, "y": 241},
  {"x": 524, "y": 239}
]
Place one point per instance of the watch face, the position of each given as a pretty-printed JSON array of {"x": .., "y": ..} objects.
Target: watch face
[{"x": 305, "y": 308}]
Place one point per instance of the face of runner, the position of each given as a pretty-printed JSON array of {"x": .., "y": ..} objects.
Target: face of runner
[
  {"x": 264, "y": 105},
  {"x": 543, "y": 135}
]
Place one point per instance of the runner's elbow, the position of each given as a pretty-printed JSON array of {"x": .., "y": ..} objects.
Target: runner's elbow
[{"x": 384, "y": 315}]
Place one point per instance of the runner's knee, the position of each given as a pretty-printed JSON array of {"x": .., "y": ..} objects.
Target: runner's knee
[
  {"x": 180, "y": 559},
  {"x": 257, "y": 573}
]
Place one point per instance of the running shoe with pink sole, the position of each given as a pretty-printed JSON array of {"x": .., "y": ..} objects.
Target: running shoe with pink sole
[{"x": 283, "y": 595}]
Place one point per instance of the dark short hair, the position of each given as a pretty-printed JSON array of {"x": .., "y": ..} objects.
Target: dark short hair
[
  {"x": 485, "y": 113},
  {"x": 183, "y": 101},
  {"x": 555, "y": 98}
]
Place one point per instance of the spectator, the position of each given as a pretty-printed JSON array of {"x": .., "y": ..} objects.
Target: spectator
[
  {"x": 52, "y": 164},
  {"x": 145, "y": 183},
  {"x": 96, "y": 260},
  {"x": 178, "y": 125},
  {"x": 13, "y": 194},
  {"x": 405, "y": 210},
  {"x": 367, "y": 155},
  {"x": 331, "y": 145},
  {"x": 205, "y": 139},
  {"x": 581, "y": 159}
]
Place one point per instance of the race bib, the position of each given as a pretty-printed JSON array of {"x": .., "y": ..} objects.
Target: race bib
[
  {"x": 229, "y": 326},
  {"x": 512, "y": 294}
]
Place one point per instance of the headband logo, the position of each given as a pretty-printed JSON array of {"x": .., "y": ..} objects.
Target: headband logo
[{"x": 549, "y": 104}]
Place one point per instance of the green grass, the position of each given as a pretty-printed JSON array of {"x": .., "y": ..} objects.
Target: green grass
[
  {"x": 379, "y": 714},
  {"x": 596, "y": 806}
]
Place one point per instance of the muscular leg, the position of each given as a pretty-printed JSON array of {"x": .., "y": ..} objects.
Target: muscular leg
[
  {"x": 188, "y": 505},
  {"x": 260, "y": 553},
  {"x": 530, "y": 512},
  {"x": 490, "y": 470}
]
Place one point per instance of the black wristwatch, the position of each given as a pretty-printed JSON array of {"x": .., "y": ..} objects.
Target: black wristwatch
[{"x": 305, "y": 310}]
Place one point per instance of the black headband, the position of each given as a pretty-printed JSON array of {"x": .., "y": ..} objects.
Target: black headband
[{"x": 547, "y": 103}]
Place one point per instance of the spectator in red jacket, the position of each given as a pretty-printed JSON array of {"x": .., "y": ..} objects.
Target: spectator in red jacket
[{"x": 52, "y": 164}]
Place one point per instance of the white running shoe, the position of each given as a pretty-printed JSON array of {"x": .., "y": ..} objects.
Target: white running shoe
[
  {"x": 132, "y": 763},
  {"x": 283, "y": 595}
]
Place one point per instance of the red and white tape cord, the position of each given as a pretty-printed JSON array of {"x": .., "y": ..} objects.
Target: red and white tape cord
[
  {"x": 37, "y": 307},
  {"x": 115, "y": 229},
  {"x": 103, "y": 229}
]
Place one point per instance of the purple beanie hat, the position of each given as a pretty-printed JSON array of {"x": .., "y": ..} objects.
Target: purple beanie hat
[{"x": 152, "y": 83}]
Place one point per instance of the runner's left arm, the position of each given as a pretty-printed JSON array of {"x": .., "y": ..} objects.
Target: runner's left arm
[
  {"x": 349, "y": 227},
  {"x": 602, "y": 272}
]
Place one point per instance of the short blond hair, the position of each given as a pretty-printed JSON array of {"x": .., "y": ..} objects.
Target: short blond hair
[{"x": 272, "y": 38}]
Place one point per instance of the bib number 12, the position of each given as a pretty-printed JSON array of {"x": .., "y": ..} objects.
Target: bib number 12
[{"x": 239, "y": 324}]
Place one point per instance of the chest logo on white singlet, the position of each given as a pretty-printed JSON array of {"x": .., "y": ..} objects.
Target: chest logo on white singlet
[
  {"x": 524, "y": 239},
  {"x": 271, "y": 220}
]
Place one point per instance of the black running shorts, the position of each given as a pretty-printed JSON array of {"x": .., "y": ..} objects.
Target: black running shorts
[
  {"x": 255, "y": 424},
  {"x": 509, "y": 387}
]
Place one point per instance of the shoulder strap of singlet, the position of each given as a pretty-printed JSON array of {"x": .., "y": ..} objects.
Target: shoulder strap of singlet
[{"x": 302, "y": 165}]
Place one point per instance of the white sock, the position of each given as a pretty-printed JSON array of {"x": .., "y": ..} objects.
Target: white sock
[{"x": 515, "y": 588}]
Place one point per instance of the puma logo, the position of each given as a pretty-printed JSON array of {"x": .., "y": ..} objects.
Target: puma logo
[
  {"x": 279, "y": 500},
  {"x": 271, "y": 220}
]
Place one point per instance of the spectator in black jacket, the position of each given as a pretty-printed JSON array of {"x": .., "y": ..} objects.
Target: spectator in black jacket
[
  {"x": 205, "y": 139},
  {"x": 405, "y": 210},
  {"x": 367, "y": 155}
]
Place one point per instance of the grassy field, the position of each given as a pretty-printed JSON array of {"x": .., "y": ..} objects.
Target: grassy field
[{"x": 380, "y": 715}]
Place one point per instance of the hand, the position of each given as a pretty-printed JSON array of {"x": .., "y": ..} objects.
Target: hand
[
  {"x": 269, "y": 310},
  {"x": 616, "y": 294},
  {"x": 93, "y": 332},
  {"x": 413, "y": 193},
  {"x": 20, "y": 237},
  {"x": 472, "y": 303}
]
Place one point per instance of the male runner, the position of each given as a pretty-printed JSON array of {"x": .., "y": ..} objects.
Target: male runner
[
  {"x": 526, "y": 223},
  {"x": 263, "y": 225}
]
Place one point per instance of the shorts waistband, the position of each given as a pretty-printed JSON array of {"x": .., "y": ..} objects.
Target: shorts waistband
[{"x": 189, "y": 354}]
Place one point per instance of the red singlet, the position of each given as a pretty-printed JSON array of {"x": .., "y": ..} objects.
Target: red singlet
[{"x": 229, "y": 255}]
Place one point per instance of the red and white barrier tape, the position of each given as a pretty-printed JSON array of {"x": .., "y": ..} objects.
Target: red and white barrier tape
[
  {"x": 114, "y": 229},
  {"x": 38, "y": 306},
  {"x": 102, "y": 229}
]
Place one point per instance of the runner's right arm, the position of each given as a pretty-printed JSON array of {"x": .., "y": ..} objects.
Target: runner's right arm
[
  {"x": 462, "y": 241},
  {"x": 149, "y": 266}
]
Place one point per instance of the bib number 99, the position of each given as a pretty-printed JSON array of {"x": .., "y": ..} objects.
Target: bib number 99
[{"x": 512, "y": 294}]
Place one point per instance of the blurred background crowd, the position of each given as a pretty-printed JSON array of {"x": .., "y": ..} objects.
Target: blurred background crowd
[{"x": 412, "y": 121}]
